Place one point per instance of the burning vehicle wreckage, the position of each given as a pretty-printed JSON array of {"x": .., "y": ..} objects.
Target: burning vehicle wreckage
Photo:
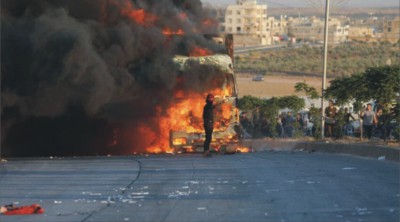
[
  {"x": 181, "y": 126},
  {"x": 190, "y": 136},
  {"x": 113, "y": 77}
]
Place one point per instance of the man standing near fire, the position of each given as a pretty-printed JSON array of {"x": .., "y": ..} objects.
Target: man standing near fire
[{"x": 208, "y": 121}]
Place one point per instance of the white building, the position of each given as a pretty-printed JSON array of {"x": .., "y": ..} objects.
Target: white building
[{"x": 249, "y": 24}]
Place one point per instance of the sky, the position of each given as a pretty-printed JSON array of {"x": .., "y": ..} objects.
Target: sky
[{"x": 303, "y": 3}]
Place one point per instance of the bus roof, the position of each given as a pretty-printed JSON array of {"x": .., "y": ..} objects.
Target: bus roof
[{"x": 224, "y": 62}]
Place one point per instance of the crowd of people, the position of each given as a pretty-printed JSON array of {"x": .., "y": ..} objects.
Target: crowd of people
[{"x": 338, "y": 123}]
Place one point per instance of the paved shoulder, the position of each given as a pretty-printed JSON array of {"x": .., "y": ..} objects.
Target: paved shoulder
[
  {"x": 68, "y": 189},
  {"x": 261, "y": 186}
]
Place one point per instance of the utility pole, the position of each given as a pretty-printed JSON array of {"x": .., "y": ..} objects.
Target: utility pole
[{"x": 325, "y": 66}]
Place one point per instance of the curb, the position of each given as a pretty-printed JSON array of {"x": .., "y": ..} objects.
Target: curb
[{"x": 363, "y": 150}]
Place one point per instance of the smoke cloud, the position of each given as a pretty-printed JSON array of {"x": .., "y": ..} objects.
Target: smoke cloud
[{"x": 79, "y": 74}]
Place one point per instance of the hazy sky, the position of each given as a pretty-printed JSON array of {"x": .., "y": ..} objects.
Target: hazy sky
[{"x": 302, "y": 3}]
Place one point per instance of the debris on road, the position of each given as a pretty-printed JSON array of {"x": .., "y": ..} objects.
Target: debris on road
[{"x": 22, "y": 210}]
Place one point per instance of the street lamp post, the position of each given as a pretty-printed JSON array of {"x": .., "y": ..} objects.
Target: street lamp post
[{"x": 326, "y": 34}]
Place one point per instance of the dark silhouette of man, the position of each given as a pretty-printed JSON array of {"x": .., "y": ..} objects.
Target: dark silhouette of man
[{"x": 208, "y": 121}]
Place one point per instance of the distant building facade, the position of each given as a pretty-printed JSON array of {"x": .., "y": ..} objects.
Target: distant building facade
[
  {"x": 249, "y": 24},
  {"x": 362, "y": 34},
  {"x": 312, "y": 29},
  {"x": 391, "y": 30}
]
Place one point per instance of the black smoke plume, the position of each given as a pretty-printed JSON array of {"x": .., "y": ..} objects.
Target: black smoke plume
[{"x": 75, "y": 73}]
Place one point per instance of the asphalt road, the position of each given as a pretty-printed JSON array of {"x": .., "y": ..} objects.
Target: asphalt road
[{"x": 261, "y": 186}]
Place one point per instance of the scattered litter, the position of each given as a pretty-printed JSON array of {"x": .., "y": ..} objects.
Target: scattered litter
[
  {"x": 348, "y": 168},
  {"x": 201, "y": 208},
  {"x": 178, "y": 194},
  {"x": 289, "y": 181},
  {"x": 382, "y": 158},
  {"x": 210, "y": 188},
  {"x": 266, "y": 214},
  {"x": 57, "y": 201},
  {"x": 244, "y": 182},
  {"x": 140, "y": 193},
  {"x": 126, "y": 219},
  {"x": 391, "y": 210},
  {"x": 340, "y": 216},
  {"x": 362, "y": 211},
  {"x": 91, "y": 194},
  {"x": 310, "y": 182},
  {"x": 194, "y": 182},
  {"x": 185, "y": 187}
]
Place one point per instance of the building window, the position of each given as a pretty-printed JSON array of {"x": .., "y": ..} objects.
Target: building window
[
  {"x": 238, "y": 29},
  {"x": 239, "y": 21},
  {"x": 229, "y": 21},
  {"x": 229, "y": 12},
  {"x": 230, "y": 29},
  {"x": 238, "y": 12},
  {"x": 389, "y": 29}
]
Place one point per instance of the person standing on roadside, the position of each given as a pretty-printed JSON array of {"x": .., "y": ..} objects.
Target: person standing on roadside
[
  {"x": 208, "y": 123},
  {"x": 348, "y": 128},
  {"x": 369, "y": 120},
  {"x": 330, "y": 115}
]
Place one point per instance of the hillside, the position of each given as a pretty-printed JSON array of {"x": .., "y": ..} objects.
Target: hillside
[{"x": 343, "y": 60}]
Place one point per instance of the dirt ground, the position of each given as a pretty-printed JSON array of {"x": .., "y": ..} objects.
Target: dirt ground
[{"x": 275, "y": 85}]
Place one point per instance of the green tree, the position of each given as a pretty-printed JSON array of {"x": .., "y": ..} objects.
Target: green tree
[
  {"x": 294, "y": 103},
  {"x": 381, "y": 84},
  {"x": 248, "y": 103},
  {"x": 310, "y": 91}
]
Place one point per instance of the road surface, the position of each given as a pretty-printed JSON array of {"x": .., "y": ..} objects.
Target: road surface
[{"x": 261, "y": 186}]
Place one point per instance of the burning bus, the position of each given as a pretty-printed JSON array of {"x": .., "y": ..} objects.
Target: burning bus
[
  {"x": 190, "y": 137},
  {"x": 181, "y": 125},
  {"x": 118, "y": 77}
]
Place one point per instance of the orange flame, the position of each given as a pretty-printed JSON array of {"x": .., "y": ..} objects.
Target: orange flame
[
  {"x": 243, "y": 149},
  {"x": 140, "y": 16},
  {"x": 197, "y": 51},
  {"x": 185, "y": 115},
  {"x": 168, "y": 31}
]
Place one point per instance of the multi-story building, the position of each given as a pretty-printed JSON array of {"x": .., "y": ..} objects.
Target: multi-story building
[
  {"x": 312, "y": 29},
  {"x": 248, "y": 22},
  {"x": 362, "y": 33},
  {"x": 391, "y": 30}
]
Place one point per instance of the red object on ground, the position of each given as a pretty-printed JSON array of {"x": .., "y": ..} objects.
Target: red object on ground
[{"x": 32, "y": 209}]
